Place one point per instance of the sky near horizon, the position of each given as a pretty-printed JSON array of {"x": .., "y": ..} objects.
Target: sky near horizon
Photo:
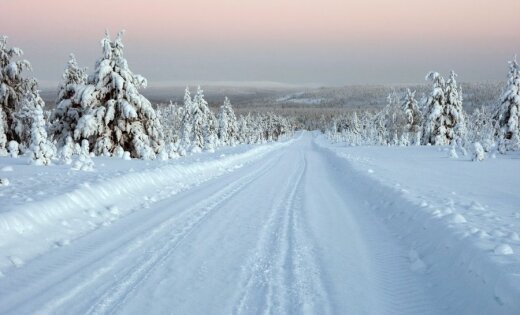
[{"x": 322, "y": 42}]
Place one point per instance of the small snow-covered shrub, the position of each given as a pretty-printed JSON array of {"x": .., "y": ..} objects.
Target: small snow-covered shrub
[
  {"x": 67, "y": 151},
  {"x": 84, "y": 161},
  {"x": 478, "y": 152},
  {"x": 4, "y": 182},
  {"x": 163, "y": 154},
  {"x": 453, "y": 153},
  {"x": 118, "y": 152},
  {"x": 13, "y": 148}
]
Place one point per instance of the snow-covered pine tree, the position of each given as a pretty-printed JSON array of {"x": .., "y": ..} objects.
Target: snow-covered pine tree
[
  {"x": 29, "y": 126},
  {"x": 186, "y": 123},
  {"x": 444, "y": 119},
  {"x": 413, "y": 117},
  {"x": 210, "y": 126},
  {"x": 243, "y": 130},
  {"x": 3, "y": 137},
  {"x": 455, "y": 118},
  {"x": 42, "y": 150},
  {"x": 356, "y": 128},
  {"x": 170, "y": 117},
  {"x": 228, "y": 128},
  {"x": 482, "y": 128},
  {"x": 433, "y": 131},
  {"x": 198, "y": 124},
  {"x": 118, "y": 116},
  {"x": 69, "y": 108},
  {"x": 13, "y": 87},
  {"x": 395, "y": 120},
  {"x": 508, "y": 112}
]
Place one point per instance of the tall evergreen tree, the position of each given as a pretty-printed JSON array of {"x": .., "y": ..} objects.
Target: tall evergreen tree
[
  {"x": 444, "y": 120},
  {"x": 118, "y": 117},
  {"x": 508, "y": 112},
  {"x": 42, "y": 150},
  {"x": 186, "y": 123},
  {"x": 13, "y": 88},
  {"x": 199, "y": 128},
  {"x": 228, "y": 128},
  {"x": 69, "y": 109},
  {"x": 394, "y": 121},
  {"x": 413, "y": 117},
  {"x": 455, "y": 120}
]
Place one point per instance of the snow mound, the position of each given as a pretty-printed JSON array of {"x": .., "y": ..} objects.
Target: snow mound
[
  {"x": 503, "y": 249},
  {"x": 456, "y": 218}
]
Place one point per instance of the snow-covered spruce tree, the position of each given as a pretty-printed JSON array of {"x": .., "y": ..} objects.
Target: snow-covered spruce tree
[
  {"x": 395, "y": 121},
  {"x": 118, "y": 116},
  {"x": 508, "y": 113},
  {"x": 482, "y": 128},
  {"x": 3, "y": 137},
  {"x": 186, "y": 123},
  {"x": 227, "y": 124},
  {"x": 433, "y": 130},
  {"x": 42, "y": 150},
  {"x": 199, "y": 129},
  {"x": 413, "y": 118},
  {"x": 245, "y": 129},
  {"x": 205, "y": 121},
  {"x": 13, "y": 87},
  {"x": 455, "y": 120},
  {"x": 170, "y": 117},
  {"x": 444, "y": 119},
  {"x": 69, "y": 106},
  {"x": 29, "y": 125}
]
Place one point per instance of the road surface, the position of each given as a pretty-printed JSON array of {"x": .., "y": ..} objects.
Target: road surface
[{"x": 283, "y": 235}]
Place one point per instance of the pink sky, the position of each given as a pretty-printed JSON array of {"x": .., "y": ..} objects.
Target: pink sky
[{"x": 351, "y": 41}]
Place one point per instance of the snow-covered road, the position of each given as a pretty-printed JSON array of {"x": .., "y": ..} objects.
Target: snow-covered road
[{"x": 287, "y": 234}]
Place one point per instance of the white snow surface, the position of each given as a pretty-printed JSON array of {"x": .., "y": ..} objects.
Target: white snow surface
[
  {"x": 461, "y": 217},
  {"x": 298, "y": 227}
]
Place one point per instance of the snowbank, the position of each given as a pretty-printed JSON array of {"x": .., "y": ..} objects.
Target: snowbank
[
  {"x": 32, "y": 222},
  {"x": 459, "y": 218}
]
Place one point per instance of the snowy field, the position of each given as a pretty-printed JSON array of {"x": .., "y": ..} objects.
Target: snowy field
[{"x": 296, "y": 227}]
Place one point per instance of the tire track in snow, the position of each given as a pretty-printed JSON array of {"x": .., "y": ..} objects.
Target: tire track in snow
[
  {"x": 257, "y": 272},
  {"x": 119, "y": 292},
  {"x": 310, "y": 294},
  {"x": 282, "y": 276},
  {"x": 180, "y": 226}
]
